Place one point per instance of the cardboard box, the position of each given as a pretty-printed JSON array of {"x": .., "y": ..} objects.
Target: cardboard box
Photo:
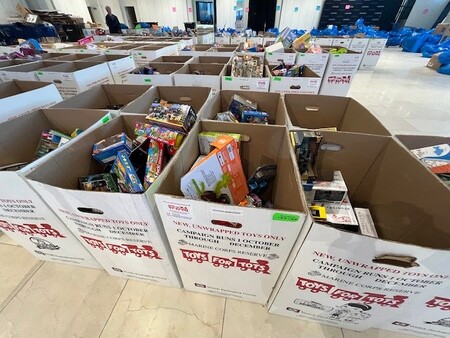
[
  {"x": 338, "y": 76},
  {"x": 220, "y": 60},
  {"x": 267, "y": 40},
  {"x": 24, "y": 215},
  {"x": 222, "y": 40},
  {"x": 197, "y": 50},
  {"x": 76, "y": 77},
  {"x": 342, "y": 42},
  {"x": 102, "y": 96},
  {"x": 77, "y": 49},
  {"x": 316, "y": 62},
  {"x": 119, "y": 65},
  {"x": 193, "y": 96},
  {"x": 289, "y": 56},
  {"x": 242, "y": 260},
  {"x": 259, "y": 84},
  {"x": 221, "y": 51},
  {"x": 124, "y": 49},
  {"x": 72, "y": 57},
  {"x": 237, "y": 39},
  {"x": 434, "y": 62},
  {"x": 19, "y": 98},
  {"x": 23, "y": 72},
  {"x": 372, "y": 54},
  {"x": 397, "y": 282},
  {"x": 201, "y": 75},
  {"x": 441, "y": 28},
  {"x": 270, "y": 103},
  {"x": 15, "y": 62},
  {"x": 165, "y": 78},
  {"x": 127, "y": 238},
  {"x": 174, "y": 59},
  {"x": 143, "y": 55},
  {"x": 421, "y": 141},
  {"x": 359, "y": 44},
  {"x": 343, "y": 113},
  {"x": 309, "y": 83},
  {"x": 323, "y": 41}
]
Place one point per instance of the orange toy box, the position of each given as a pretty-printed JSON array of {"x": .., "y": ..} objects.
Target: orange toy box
[{"x": 219, "y": 176}]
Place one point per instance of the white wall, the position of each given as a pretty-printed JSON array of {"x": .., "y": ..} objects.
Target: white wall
[
  {"x": 307, "y": 16},
  {"x": 40, "y": 4},
  {"x": 162, "y": 11},
  {"x": 8, "y": 9},
  {"x": 74, "y": 7},
  {"x": 425, "y": 13}
]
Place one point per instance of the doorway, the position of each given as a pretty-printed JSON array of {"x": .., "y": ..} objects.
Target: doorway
[
  {"x": 130, "y": 16},
  {"x": 261, "y": 15},
  {"x": 91, "y": 14}
]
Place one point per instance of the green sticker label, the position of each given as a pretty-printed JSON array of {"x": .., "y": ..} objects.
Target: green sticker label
[
  {"x": 40, "y": 73},
  {"x": 228, "y": 78},
  {"x": 277, "y": 78},
  {"x": 147, "y": 80},
  {"x": 302, "y": 54},
  {"x": 139, "y": 53},
  {"x": 269, "y": 53},
  {"x": 282, "y": 217},
  {"x": 106, "y": 118}
]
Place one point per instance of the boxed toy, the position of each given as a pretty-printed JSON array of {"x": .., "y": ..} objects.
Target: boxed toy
[
  {"x": 219, "y": 176},
  {"x": 127, "y": 177},
  {"x": 332, "y": 191},
  {"x": 340, "y": 216},
  {"x": 107, "y": 149},
  {"x": 205, "y": 139},
  {"x": 172, "y": 115},
  {"x": 437, "y": 157},
  {"x": 99, "y": 182}
]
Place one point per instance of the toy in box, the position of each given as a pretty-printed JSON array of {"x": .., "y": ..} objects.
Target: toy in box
[
  {"x": 239, "y": 105},
  {"x": 219, "y": 177},
  {"x": 50, "y": 141},
  {"x": 437, "y": 157},
  {"x": 172, "y": 138},
  {"x": 155, "y": 162},
  {"x": 255, "y": 117},
  {"x": 106, "y": 150},
  {"x": 205, "y": 138},
  {"x": 332, "y": 191},
  {"x": 127, "y": 177},
  {"x": 99, "y": 182},
  {"x": 341, "y": 215},
  {"x": 172, "y": 115}
]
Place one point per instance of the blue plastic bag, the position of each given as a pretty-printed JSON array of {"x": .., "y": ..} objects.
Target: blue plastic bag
[
  {"x": 413, "y": 44},
  {"x": 444, "y": 69},
  {"x": 444, "y": 58}
]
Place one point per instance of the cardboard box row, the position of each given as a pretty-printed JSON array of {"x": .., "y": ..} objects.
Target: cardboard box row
[{"x": 327, "y": 275}]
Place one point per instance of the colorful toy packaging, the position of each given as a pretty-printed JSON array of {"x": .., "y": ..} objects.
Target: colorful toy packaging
[{"x": 172, "y": 115}]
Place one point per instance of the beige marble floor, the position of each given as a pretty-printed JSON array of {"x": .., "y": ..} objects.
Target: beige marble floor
[{"x": 53, "y": 300}]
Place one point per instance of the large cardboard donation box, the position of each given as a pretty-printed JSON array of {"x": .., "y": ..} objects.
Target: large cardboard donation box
[
  {"x": 24, "y": 72},
  {"x": 339, "y": 74},
  {"x": 342, "y": 113},
  {"x": 109, "y": 97},
  {"x": 372, "y": 54},
  {"x": 119, "y": 65},
  {"x": 165, "y": 76},
  {"x": 308, "y": 83},
  {"x": 228, "y": 250},
  {"x": 76, "y": 77},
  {"x": 316, "y": 62},
  {"x": 24, "y": 216},
  {"x": 122, "y": 231},
  {"x": 398, "y": 281},
  {"x": 271, "y": 103},
  {"x": 201, "y": 75},
  {"x": 19, "y": 98},
  {"x": 260, "y": 84}
]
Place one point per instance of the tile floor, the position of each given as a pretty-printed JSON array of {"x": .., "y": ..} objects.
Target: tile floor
[{"x": 54, "y": 300}]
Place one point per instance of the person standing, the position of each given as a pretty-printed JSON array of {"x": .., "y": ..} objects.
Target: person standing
[{"x": 112, "y": 21}]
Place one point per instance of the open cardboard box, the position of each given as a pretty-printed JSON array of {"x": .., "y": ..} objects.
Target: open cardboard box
[
  {"x": 260, "y": 84},
  {"x": 359, "y": 44},
  {"x": 228, "y": 250},
  {"x": 19, "y": 98},
  {"x": 309, "y": 83},
  {"x": 420, "y": 141},
  {"x": 196, "y": 97},
  {"x": 221, "y": 51},
  {"x": 73, "y": 57},
  {"x": 174, "y": 59},
  {"x": 15, "y": 62},
  {"x": 221, "y": 60},
  {"x": 119, "y": 65},
  {"x": 122, "y": 231},
  {"x": 123, "y": 49},
  {"x": 24, "y": 72},
  {"x": 201, "y": 75},
  {"x": 196, "y": 50},
  {"x": 316, "y": 62},
  {"x": 25, "y": 217},
  {"x": 76, "y": 77},
  {"x": 77, "y": 49},
  {"x": 398, "y": 281},
  {"x": 270, "y": 103},
  {"x": 143, "y": 55},
  {"x": 102, "y": 96},
  {"x": 289, "y": 56},
  {"x": 340, "y": 71},
  {"x": 165, "y": 78},
  {"x": 343, "y": 113},
  {"x": 372, "y": 53}
]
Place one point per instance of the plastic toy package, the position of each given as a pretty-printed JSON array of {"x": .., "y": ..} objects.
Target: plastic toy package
[
  {"x": 242, "y": 110},
  {"x": 172, "y": 115},
  {"x": 247, "y": 65},
  {"x": 49, "y": 141}
]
